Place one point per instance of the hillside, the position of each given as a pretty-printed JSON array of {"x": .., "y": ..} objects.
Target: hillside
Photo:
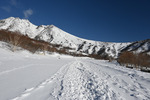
[{"x": 54, "y": 35}]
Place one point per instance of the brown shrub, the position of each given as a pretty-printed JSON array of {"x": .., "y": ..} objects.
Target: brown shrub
[
  {"x": 32, "y": 45},
  {"x": 19, "y": 40},
  {"x": 131, "y": 59}
]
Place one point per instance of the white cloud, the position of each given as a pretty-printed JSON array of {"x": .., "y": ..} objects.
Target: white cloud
[
  {"x": 6, "y": 8},
  {"x": 13, "y": 2},
  {"x": 28, "y": 13},
  {"x": 9, "y": 6}
]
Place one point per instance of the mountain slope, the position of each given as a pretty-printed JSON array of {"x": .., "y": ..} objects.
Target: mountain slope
[
  {"x": 54, "y": 35},
  {"x": 139, "y": 47},
  {"x": 57, "y": 36}
]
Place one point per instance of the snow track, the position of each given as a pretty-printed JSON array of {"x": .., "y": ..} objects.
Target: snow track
[
  {"x": 81, "y": 83},
  {"x": 14, "y": 69},
  {"x": 90, "y": 80},
  {"x": 126, "y": 83}
]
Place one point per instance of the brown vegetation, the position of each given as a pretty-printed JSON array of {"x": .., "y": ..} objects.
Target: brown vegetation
[
  {"x": 128, "y": 59},
  {"x": 32, "y": 45},
  {"x": 134, "y": 60}
]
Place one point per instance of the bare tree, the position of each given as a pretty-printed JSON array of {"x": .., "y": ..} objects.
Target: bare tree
[{"x": 15, "y": 39}]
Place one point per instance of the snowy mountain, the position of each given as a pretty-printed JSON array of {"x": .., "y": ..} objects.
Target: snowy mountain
[
  {"x": 27, "y": 76},
  {"x": 54, "y": 35}
]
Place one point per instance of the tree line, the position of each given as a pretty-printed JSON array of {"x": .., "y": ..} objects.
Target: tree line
[
  {"x": 134, "y": 60},
  {"x": 18, "y": 40}
]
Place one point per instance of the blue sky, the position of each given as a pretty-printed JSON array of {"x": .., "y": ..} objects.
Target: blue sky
[{"x": 101, "y": 20}]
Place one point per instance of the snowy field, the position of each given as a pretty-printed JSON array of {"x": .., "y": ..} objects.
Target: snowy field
[{"x": 24, "y": 76}]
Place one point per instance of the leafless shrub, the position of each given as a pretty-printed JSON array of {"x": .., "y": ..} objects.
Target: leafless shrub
[{"x": 135, "y": 60}]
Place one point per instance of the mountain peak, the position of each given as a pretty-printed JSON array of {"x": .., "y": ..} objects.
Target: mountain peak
[
  {"x": 16, "y": 19},
  {"x": 10, "y": 18}
]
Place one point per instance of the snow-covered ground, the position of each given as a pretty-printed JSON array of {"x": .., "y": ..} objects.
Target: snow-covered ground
[
  {"x": 20, "y": 71},
  {"x": 24, "y": 76}
]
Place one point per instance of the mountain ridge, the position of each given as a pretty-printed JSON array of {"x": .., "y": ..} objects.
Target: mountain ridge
[{"x": 54, "y": 35}]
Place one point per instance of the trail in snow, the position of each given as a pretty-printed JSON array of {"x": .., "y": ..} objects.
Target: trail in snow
[
  {"x": 91, "y": 80},
  {"x": 14, "y": 69},
  {"x": 21, "y": 71},
  {"x": 45, "y": 87}
]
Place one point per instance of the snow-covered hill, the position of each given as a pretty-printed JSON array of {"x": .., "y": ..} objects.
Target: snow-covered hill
[{"x": 54, "y": 35}]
